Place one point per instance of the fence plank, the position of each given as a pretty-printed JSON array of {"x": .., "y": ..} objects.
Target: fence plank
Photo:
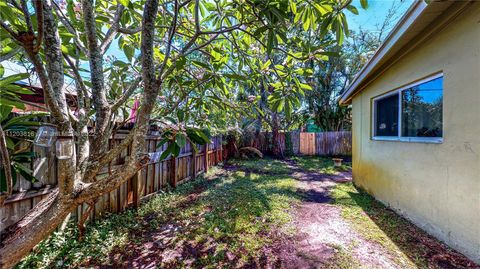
[
  {"x": 323, "y": 143},
  {"x": 135, "y": 188},
  {"x": 205, "y": 159},
  {"x": 149, "y": 180},
  {"x": 307, "y": 143}
]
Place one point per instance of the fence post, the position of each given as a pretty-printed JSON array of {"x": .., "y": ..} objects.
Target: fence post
[
  {"x": 215, "y": 150},
  {"x": 136, "y": 198},
  {"x": 221, "y": 148},
  {"x": 173, "y": 180},
  {"x": 194, "y": 163},
  {"x": 205, "y": 159}
]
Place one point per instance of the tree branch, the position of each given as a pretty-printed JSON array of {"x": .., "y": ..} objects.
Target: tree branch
[
  {"x": 151, "y": 88},
  {"x": 171, "y": 34},
  {"x": 112, "y": 30},
  {"x": 70, "y": 29},
  {"x": 113, "y": 181},
  {"x": 40, "y": 21},
  {"x": 126, "y": 94},
  {"x": 197, "y": 17},
  {"x": 129, "y": 31},
  {"x": 97, "y": 78},
  {"x": 54, "y": 65},
  {"x": 10, "y": 31},
  {"x": 5, "y": 162},
  {"x": 28, "y": 21},
  {"x": 77, "y": 76}
]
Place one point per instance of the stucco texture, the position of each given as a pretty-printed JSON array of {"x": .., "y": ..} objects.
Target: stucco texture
[{"x": 436, "y": 186}]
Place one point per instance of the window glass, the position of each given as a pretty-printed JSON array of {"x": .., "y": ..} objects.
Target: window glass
[
  {"x": 422, "y": 110},
  {"x": 386, "y": 115}
]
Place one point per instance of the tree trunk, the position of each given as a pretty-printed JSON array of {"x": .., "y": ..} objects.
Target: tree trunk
[
  {"x": 276, "y": 149},
  {"x": 33, "y": 228}
]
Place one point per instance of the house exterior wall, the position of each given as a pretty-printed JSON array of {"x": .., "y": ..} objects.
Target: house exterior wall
[{"x": 436, "y": 186}]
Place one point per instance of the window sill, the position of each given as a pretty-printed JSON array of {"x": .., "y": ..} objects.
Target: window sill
[{"x": 430, "y": 140}]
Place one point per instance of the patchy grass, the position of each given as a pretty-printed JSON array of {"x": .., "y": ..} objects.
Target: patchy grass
[
  {"x": 377, "y": 223},
  {"x": 320, "y": 165},
  {"x": 343, "y": 259},
  {"x": 263, "y": 166},
  {"x": 409, "y": 246},
  {"x": 234, "y": 217},
  {"x": 62, "y": 249},
  {"x": 228, "y": 216}
]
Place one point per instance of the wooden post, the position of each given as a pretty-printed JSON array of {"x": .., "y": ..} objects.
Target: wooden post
[
  {"x": 173, "y": 180},
  {"x": 216, "y": 151},
  {"x": 194, "y": 164},
  {"x": 136, "y": 198},
  {"x": 205, "y": 159},
  {"x": 221, "y": 149}
]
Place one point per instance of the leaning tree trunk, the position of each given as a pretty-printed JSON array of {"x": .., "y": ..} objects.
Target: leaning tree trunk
[
  {"x": 19, "y": 239},
  {"x": 36, "y": 226}
]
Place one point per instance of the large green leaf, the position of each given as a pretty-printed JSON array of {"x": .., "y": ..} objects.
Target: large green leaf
[
  {"x": 180, "y": 140},
  {"x": 13, "y": 78},
  {"x": 364, "y": 4}
]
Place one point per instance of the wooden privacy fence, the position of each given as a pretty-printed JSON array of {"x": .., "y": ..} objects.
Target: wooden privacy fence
[
  {"x": 151, "y": 179},
  {"x": 307, "y": 144},
  {"x": 333, "y": 143},
  {"x": 303, "y": 143},
  {"x": 263, "y": 142},
  {"x": 326, "y": 143}
]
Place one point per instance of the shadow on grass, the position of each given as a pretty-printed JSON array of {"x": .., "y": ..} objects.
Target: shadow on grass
[
  {"x": 406, "y": 242},
  {"x": 220, "y": 222}
]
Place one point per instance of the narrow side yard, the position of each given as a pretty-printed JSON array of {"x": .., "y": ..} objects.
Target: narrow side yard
[{"x": 298, "y": 213}]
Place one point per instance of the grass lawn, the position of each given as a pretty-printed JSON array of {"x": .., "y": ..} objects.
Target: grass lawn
[
  {"x": 236, "y": 215},
  {"x": 222, "y": 217},
  {"x": 409, "y": 246}
]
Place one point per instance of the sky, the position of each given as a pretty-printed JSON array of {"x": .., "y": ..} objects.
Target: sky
[
  {"x": 376, "y": 13},
  {"x": 368, "y": 19}
]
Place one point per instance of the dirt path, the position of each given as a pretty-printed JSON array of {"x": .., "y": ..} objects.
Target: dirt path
[
  {"x": 323, "y": 235},
  {"x": 323, "y": 239},
  {"x": 326, "y": 240}
]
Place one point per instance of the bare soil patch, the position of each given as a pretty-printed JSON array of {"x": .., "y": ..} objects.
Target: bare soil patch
[{"x": 325, "y": 239}]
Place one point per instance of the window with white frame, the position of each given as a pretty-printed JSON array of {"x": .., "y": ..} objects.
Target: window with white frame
[{"x": 411, "y": 113}]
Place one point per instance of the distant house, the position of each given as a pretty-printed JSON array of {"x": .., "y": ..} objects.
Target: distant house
[
  {"x": 36, "y": 101},
  {"x": 416, "y": 121}
]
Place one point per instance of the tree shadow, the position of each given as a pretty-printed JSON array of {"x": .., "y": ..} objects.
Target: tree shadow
[{"x": 212, "y": 225}]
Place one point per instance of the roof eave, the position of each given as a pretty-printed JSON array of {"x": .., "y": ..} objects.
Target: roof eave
[{"x": 390, "y": 42}]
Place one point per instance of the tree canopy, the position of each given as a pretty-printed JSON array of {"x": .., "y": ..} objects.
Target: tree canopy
[{"x": 184, "y": 61}]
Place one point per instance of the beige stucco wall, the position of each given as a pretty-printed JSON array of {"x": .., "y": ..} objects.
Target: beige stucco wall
[{"x": 436, "y": 186}]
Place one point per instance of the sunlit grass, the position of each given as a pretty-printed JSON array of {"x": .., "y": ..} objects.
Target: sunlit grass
[
  {"x": 322, "y": 165},
  {"x": 343, "y": 259},
  {"x": 237, "y": 210},
  {"x": 378, "y": 224},
  {"x": 265, "y": 165}
]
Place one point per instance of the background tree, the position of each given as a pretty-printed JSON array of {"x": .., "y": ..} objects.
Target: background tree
[{"x": 333, "y": 74}]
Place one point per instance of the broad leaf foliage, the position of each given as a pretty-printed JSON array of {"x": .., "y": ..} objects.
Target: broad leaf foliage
[{"x": 182, "y": 65}]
